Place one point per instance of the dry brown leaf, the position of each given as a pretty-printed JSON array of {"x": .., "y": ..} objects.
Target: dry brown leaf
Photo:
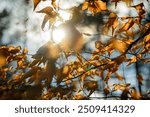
[
  {"x": 46, "y": 10},
  {"x": 99, "y": 45},
  {"x": 121, "y": 87},
  {"x": 140, "y": 79},
  {"x": 91, "y": 85},
  {"x": 119, "y": 76},
  {"x": 135, "y": 94},
  {"x": 107, "y": 76},
  {"x": 106, "y": 90},
  {"x": 31, "y": 72},
  {"x": 112, "y": 19}
]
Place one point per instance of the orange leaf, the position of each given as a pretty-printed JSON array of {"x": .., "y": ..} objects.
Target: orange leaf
[
  {"x": 106, "y": 90},
  {"x": 79, "y": 57},
  {"x": 46, "y": 10},
  {"x": 91, "y": 85},
  {"x": 101, "y": 5},
  {"x": 85, "y": 5},
  {"x": 3, "y": 61},
  {"x": 126, "y": 26},
  {"x": 119, "y": 45},
  {"x": 121, "y": 87},
  {"x": 25, "y": 51},
  {"x": 135, "y": 94},
  {"x": 140, "y": 79},
  {"x": 132, "y": 60},
  {"x": 36, "y": 2},
  {"x": 119, "y": 76},
  {"x": 107, "y": 76},
  {"x": 54, "y": 3}
]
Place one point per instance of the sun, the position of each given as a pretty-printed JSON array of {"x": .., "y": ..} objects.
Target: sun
[
  {"x": 65, "y": 15},
  {"x": 59, "y": 34}
]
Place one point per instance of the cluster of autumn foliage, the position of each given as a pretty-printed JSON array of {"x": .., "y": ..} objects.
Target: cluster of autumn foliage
[{"x": 41, "y": 78}]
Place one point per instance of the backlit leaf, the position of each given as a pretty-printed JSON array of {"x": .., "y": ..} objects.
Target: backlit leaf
[
  {"x": 85, "y": 5},
  {"x": 119, "y": 45},
  {"x": 101, "y": 5},
  {"x": 46, "y": 10},
  {"x": 36, "y": 2},
  {"x": 135, "y": 94},
  {"x": 132, "y": 60},
  {"x": 127, "y": 25}
]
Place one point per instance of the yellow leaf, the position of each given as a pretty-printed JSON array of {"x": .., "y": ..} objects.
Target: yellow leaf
[
  {"x": 112, "y": 18},
  {"x": 147, "y": 38},
  {"x": 119, "y": 45},
  {"x": 54, "y": 3},
  {"x": 3, "y": 61},
  {"x": 115, "y": 24},
  {"x": 85, "y": 5},
  {"x": 66, "y": 70},
  {"x": 25, "y": 51},
  {"x": 20, "y": 63},
  {"x": 13, "y": 49},
  {"x": 128, "y": 41},
  {"x": 132, "y": 60},
  {"x": 101, "y": 5}
]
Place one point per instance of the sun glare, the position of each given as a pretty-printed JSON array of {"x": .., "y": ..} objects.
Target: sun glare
[
  {"x": 65, "y": 15},
  {"x": 58, "y": 35}
]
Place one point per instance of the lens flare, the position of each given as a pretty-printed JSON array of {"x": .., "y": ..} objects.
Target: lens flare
[
  {"x": 58, "y": 35},
  {"x": 65, "y": 15}
]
